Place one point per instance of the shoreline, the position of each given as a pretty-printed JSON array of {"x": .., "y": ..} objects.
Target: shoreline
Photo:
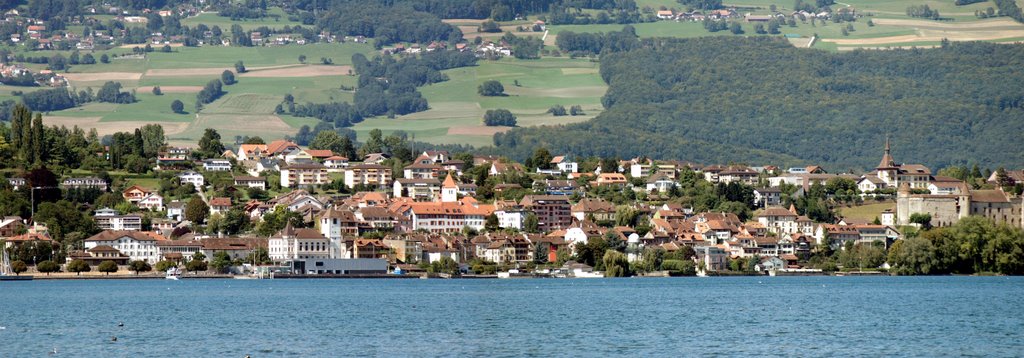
[{"x": 418, "y": 276}]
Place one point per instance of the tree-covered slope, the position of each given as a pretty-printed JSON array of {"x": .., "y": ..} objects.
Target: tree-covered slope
[{"x": 761, "y": 101}]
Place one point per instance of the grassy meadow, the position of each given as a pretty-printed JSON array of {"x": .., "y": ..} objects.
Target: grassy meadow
[{"x": 868, "y": 211}]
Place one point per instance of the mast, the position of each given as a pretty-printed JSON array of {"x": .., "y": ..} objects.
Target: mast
[{"x": 5, "y": 265}]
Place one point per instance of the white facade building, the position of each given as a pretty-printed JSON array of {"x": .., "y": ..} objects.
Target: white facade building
[{"x": 134, "y": 244}]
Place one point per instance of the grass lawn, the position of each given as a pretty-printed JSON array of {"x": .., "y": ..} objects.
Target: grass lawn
[
  {"x": 148, "y": 183},
  {"x": 211, "y": 18},
  {"x": 868, "y": 211}
]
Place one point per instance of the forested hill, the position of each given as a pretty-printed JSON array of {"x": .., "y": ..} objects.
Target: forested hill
[{"x": 760, "y": 100}]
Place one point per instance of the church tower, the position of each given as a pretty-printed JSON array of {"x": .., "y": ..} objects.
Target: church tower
[
  {"x": 887, "y": 168},
  {"x": 449, "y": 190}
]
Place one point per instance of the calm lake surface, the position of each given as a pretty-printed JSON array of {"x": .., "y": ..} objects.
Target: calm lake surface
[{"x": 750, "y": 316}]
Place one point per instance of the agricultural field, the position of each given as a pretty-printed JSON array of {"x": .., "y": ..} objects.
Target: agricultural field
[
  {"x": 456, "y": 110},
  {"x": 892, "y": 27},
  {"x": 276, "y": 18},
  {"x": 532, "y": 86},
  {"x": 246, "y": 109}
]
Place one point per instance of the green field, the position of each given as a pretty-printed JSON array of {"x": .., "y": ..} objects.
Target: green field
[
  {"x": 866, "y": 212},
  {"x": 961, "y": 28},
  {"x": 211, "y": 18},
  {"x": 455, "y": 103},
  {"x": 455, "y": 108},
  {"x": 245, "y": 109}
]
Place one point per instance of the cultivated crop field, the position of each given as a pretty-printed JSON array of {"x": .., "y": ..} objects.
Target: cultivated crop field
[
  {"x": 247, "y": 107},
  {"x": 456, "y": 110},
  {"x": 892, "y": 27}
]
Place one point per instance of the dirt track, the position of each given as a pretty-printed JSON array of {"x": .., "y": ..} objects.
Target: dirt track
[
  {"x": 171, "y": 89},
  {"x": 300, "y": 71},
  {"x": 477, "y": 130},
  {"x": 111, "y": 127},
  {"x": 103, "y": 76},
  {"x": 207, "y": 71},
  {"x": 999, "y": 24}
]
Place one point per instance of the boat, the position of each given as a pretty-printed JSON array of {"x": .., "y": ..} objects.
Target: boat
[{"x": 173, "y": 273}]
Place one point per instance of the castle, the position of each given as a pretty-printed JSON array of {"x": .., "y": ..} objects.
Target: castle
[{"x": 947, "y": 201}]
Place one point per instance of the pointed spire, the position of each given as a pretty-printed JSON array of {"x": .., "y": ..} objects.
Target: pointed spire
[
  {"x": 792, "y": 208},
  {"x": 449, "y": 182},
  {"x": 887, "y": 161}
]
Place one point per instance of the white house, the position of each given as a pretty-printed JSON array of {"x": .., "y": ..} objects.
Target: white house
[
  {"x": 217, "y": 165},
  {"x": 136, "y": 245},
  {"x": 660, "y": 182},
  {"x": 251, "y": 182},
  {"x": 291, "y": 243},
  {"x": 108, "y": 219},
  {"x": 192, "y": 177},
  {"x": 176, "y": 210},
  {"x": 153, "y": 202},
  {"x": 336, "y": 164},
  {"x": 419, "y": 189},
  {"x": 765, "y": 197},
  {"x": 778, "y": 220},
  {"x": 510, "y": 214},
  {"x": 263, "y": 165},
  {"x": 297, "y": 155}
]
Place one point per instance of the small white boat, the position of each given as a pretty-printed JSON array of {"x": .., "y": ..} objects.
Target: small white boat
[{"x": 173, "y": 273}]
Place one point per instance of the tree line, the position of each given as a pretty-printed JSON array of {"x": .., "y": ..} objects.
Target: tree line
[
  {"x": 595, "y": 43},
  {"x": 973, "y": 245}
]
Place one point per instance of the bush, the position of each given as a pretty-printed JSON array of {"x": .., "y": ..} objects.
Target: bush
[
  {"x": 489, "y": 26},
  {"x": 491, "y": 88},
  {"x": 557, "y": 110},
  {"x": 576, "y": 110},
  {"x": 499, "y": 117},
  {"x": 139, "y": 266},
  {"x": 178, "y": 107},
  {"x": 18, "y": 267},
  {"x": 228, "y": 77},
  {"x": 165, "y": 265},
  {"x": 615, "y": 264},
  {"x": 679, "y": 267},
  {"x": 47, "y": 267},
  {"x": 107, "y": 267},
  {"x": 78, "y": 266},
  {"x": 196, "y": 265}
]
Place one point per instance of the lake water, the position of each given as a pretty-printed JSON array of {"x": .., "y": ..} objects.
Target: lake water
[{"x": 750, "y": 316}]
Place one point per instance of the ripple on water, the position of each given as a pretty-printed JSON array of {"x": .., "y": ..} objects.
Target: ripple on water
[{"x": 789, "y": 316}]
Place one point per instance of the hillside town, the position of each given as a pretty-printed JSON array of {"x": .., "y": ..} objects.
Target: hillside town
[{"x": 280, "y": 207}]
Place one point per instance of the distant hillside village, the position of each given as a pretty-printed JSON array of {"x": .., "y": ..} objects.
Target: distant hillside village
[{"x": 308, "y": 209}]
